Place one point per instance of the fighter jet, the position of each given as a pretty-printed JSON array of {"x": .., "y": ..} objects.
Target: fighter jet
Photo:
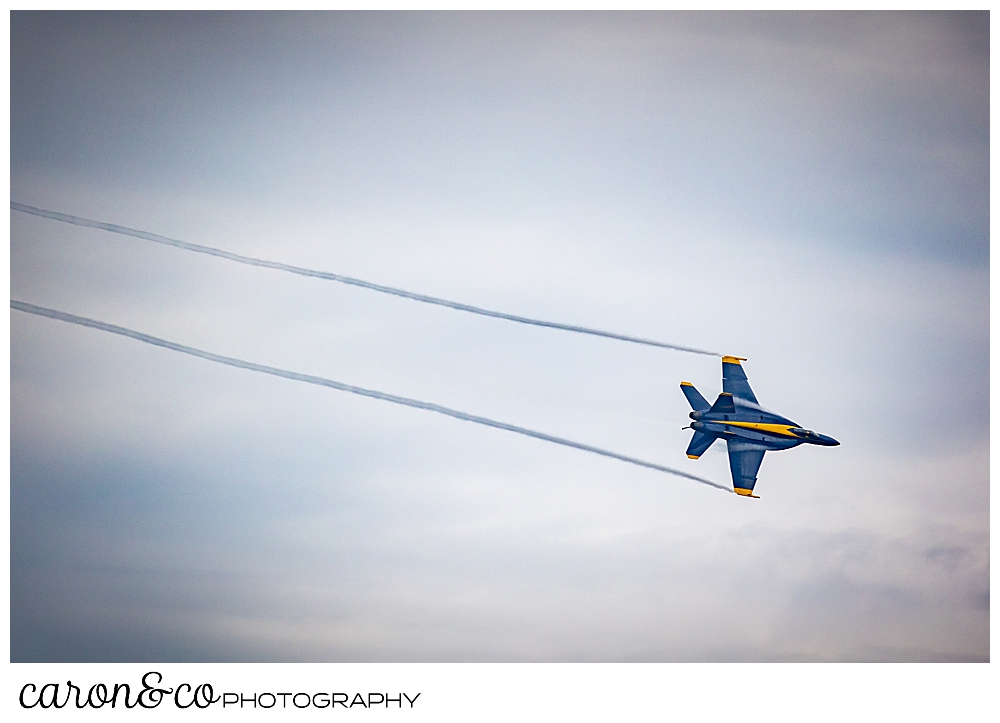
[{"x": 749, "y": 429}]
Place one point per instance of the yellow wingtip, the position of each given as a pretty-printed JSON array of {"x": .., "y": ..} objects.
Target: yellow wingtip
[
  {"x": 691, "y": 456},
  {"x": 687, "y": 384},
  {"x": 733, "y": 359}
]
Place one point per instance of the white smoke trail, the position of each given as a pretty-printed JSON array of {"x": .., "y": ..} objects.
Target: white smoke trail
[
  {"x": 125, "y": 231},
  {"x": 321, "y": 381}
]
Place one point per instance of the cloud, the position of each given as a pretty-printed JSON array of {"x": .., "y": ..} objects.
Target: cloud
[
  {"x": 424, "y": 582},
  {"x": 770, "y": 124}
]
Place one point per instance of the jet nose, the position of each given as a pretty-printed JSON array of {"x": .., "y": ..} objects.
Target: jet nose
[{"x": 827, "y": 441}]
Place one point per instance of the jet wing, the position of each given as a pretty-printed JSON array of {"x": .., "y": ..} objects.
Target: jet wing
[
  {"x": 734, "y": 379},
  {"x": 744, "y": 461}
]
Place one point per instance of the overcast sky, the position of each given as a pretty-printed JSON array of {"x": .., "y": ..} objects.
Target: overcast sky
[{"x": 809, "y": 191}]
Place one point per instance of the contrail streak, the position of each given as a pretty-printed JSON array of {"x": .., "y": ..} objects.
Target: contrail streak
[
  {"x": 125, "y": 231},
  {"x": 321, "y": 381}
]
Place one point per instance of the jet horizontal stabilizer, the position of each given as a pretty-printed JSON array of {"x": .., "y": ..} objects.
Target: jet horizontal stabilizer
[{"x": 723, "y": 405}]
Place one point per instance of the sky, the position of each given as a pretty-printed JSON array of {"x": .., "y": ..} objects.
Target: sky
[{"x": 808, "y": 191}]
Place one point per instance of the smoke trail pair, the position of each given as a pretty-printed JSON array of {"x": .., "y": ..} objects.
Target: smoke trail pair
[
  {"x": 321, "y": 381},
  {"x": 125, "y": 231}
]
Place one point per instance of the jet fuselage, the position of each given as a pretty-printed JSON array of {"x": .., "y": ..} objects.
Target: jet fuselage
[{"x": 763, "y": 427}]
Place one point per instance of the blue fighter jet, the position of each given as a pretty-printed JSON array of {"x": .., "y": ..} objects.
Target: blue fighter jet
[{"x": 749, "y": 429}]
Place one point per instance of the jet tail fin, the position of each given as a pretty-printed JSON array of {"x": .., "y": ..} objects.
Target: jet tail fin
[
  {"x": 698, "y": 403},
  {"x": 700, "y": 442}
]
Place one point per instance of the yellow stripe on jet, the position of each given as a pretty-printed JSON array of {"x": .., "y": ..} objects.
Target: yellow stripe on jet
[
  {"x": 782, "y": 430},
  {"x": 733, "y": 359}
]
